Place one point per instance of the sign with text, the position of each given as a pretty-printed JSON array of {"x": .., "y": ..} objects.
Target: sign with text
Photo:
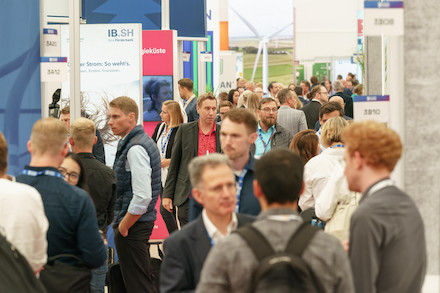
[
  {"x": 157, "y": 52},
  {"x": 227, "y": 78},
  {"x": 205, "y": 57},
  {"x": 371, "y": 108},
  {"x": 383, "y": 18},
  {"x": 51, "y": 42},
  {"x": 53, "y": 69},
  {"x": 110, "y": 67}
]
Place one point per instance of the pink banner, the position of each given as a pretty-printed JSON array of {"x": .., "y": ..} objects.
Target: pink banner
[{"x": 157, "y": 52}]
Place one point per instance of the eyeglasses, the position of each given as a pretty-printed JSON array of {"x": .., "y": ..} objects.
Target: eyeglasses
[
  {"x": 71, "y": 175},
  {"x": 268, "y": 110}
]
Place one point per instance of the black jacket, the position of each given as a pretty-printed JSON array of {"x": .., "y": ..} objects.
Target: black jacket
[{"x": 102, "y": 185}]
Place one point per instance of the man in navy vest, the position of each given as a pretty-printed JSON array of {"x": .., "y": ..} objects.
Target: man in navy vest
[{"x": 137, "y": 168}]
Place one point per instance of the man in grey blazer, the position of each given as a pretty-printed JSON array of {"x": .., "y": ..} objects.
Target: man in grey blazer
[
  {"x": 193, "y": 139},
  {"x": 288, "y": 117},
  {"x": 214, "y": 187},
  {"x": 387, "y": 245}
]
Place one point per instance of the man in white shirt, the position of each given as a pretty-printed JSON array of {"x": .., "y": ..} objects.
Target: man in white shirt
[
  {"x": 22, "y": 221},
  {"x": 214, "y": 187}
]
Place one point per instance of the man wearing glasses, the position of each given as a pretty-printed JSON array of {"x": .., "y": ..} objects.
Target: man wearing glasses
[
  {"x": 270, "y": 134},
  {"x": 213, "y": 186}
]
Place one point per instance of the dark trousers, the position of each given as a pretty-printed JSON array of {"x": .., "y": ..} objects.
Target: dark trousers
[
  {"x": 169, "y": 219},
  {"x": 134, "y": 257},
  {"x": 182, "y": 213}
]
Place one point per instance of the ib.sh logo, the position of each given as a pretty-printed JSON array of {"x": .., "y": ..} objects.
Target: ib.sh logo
[{"x": 113, "y": 33}]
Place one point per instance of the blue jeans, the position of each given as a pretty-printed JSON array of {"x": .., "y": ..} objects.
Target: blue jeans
[{"x": 97, "y": 283}]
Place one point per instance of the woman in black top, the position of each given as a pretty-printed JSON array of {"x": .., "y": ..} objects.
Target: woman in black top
[{"x": 164, "y": 135}]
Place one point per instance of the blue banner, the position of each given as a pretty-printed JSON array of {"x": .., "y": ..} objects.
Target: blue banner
[
  {"x": 147, "y": 12},
  {"x": 188, "y": 17},
  {"x": 20, "y": 102},
  {"x": 371, "y": 98},
  {"x": 383, "y": 4}
]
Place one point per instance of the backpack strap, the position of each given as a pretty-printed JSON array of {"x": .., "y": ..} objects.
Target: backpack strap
[
  {"x": 300, "y": 239},
  {"x": 256, "y": 241}
]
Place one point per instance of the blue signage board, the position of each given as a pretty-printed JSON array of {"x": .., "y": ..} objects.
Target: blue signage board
[
  {"x": 20, "y": 102},
  {"x": 147, "y": 12}
]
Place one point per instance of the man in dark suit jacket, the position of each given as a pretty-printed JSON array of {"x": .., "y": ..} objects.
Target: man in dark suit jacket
[
  {"x": 319, "y": 97},
  {"x": 192, "y": 139},
  {"x": 214, "y": 187},
  {"x": 387, "y": 224},
  {"x": 189, "y": 100}
]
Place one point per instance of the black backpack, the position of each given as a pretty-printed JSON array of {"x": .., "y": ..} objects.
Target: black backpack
[
  {"x": 282, "y": 271},
  {"x": 16, "y": 275}
]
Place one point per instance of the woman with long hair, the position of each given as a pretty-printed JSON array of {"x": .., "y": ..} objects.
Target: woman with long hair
[
  {"x": 164, "y": 135},
  {"x": 233, "y": 96}
]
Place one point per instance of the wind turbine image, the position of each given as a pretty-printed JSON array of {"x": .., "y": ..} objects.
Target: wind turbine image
[{"x": 262, "y": 46}]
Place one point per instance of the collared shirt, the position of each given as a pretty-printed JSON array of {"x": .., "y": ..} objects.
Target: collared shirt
[
  {"x": 214, "y": 234},
  {"x": 316, "y": 100},
  {"x": 138, "y": 163},
  {"x": 267, "y": 137},
  {"x": 207, "y": 143}
]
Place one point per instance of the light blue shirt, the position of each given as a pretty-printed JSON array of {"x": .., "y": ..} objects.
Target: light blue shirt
[
  {"x": 260, "y": 150},
  {"x": 138, "y": 163}
]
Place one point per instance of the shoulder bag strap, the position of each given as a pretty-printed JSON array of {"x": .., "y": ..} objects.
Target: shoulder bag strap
[
  {"x": 256, "y": 241},
  {"x": 300, "y": 239}
]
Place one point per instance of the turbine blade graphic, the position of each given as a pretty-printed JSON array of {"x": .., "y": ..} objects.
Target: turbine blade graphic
[
  {"x": 260, "y": 47},
  {"x": 279, "y": 31},
  {"x": 249, "y": 25}
]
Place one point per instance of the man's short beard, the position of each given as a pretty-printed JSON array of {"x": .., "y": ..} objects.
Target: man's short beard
[{"x": 268, "y": 122}]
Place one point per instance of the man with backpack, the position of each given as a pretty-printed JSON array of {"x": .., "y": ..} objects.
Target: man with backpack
[{"x": 255, "y": 258}]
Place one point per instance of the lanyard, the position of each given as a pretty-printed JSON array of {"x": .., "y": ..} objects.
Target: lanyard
[
  {"x": 210, "y": 239},
  {"x": 379, "y": 186},
  {"x": 163, "y": 145},
  {"x": 240, "y": 187},
  {"x": 268, "y": 142},
  {"x": 44, "y": 172},
  {"x": 337, "y": 146}
]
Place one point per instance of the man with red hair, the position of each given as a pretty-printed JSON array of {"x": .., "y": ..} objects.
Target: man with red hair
[{"x": 387, "y": 246}]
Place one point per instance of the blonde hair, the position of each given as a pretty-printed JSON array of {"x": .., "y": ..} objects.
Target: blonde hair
[
  {"x": 49, "y": 136},
  {"x": 332, "y": 130},
  {"x": 126, "y": 105},
  {"x": 378, "y": 144},
  {"x": 242, "y": 99},
  {"x": 83, "y": 132},
  {"x": 298, "y": 103},
  {"x": 252, "y": 104},
  {"x": 3, "y": 154},
  {"x": 173, "y": 108}
]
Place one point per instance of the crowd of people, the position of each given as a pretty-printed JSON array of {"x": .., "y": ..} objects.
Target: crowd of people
[{"x": 288, "y": 166}]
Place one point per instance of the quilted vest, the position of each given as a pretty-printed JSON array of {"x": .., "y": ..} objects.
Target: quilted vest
[{"x": 137, "y": 136}]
